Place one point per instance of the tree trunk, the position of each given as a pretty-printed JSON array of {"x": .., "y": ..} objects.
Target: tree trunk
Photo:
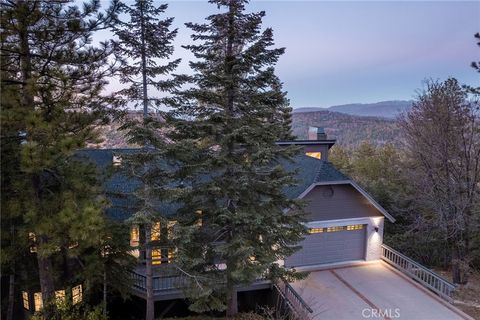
[
  {"x": 232, "y": 302},
  {"x": 11, "y": 296},
  {"x": 105, "y": 292},
  {"x": 144, "y": 65},
  {"x": 45, "y": 270},
  {"x": 150, "y": 313},
  {"x": 459, "y": 269}
]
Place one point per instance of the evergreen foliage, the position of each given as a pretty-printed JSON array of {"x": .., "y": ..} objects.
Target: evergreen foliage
[
  {"x": 144, "y": 43},
  {"x": 225, "y": 128},
  {"x": 52, "y": 78}
]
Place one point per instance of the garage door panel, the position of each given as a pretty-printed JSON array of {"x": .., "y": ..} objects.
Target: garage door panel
[{"x": 329, "y": 247}]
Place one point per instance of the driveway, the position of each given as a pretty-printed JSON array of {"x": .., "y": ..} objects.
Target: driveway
[{"x": 371, "y": 291}]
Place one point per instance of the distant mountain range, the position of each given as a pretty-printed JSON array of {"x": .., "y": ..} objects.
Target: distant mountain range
[
  {"x": 349, "y": 130},
  {"x": 348, "y": 124},
  {"x": 384, "y": 109}
]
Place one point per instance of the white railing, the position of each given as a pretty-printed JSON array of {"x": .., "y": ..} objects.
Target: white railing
[{"x": 421, "y": 274}]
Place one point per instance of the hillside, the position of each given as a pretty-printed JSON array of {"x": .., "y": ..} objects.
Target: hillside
[
  {"x": 385, "y": 109},
  {"x": 349, "y": 130}
]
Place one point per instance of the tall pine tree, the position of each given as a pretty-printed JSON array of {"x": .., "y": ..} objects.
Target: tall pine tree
[
  {"x": 226, "y": 125},
  {"x": 54, "y": 77},
  {"x": 144, "y": 45}
]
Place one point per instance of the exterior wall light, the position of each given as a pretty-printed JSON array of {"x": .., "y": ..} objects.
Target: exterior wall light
[{"x": 376, "y": 229}]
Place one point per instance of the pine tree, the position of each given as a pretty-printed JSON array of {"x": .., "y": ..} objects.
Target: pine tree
[
  {"x": 144, "y": 42},
  {"x": 58, "y": 75},
  {"x": 226, "y": 125}
]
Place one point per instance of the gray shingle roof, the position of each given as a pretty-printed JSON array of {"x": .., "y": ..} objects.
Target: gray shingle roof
[{"x": 120, "y": 187}]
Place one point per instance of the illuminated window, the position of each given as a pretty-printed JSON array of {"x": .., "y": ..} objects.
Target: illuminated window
[
  {"x": 336, "y": 229},
  {"x": 37, "y": 297},
  {"x": 134, "y": 236},
  {"x": 156, "y": 256},
  {"x": 355, "y": 227},
  {"x": 33, "y": 241},
  {"x": 315, "y": 230},
  {"x": 172, "y": 252},
  {"x": 155, "y": 236},
  {"x": 60, "y": 297},
  {"x": 171, "y": 229},
  {"x": 316, "y": 155},
  {"x": 252, "y": 258},
  {"x": 77, "y": 294},
  {"x": 26, "y": 305},
  {"x": 199, "y": 220},
  {"x": 135, "y": 253},
  {"x": 117, "y": 161}
]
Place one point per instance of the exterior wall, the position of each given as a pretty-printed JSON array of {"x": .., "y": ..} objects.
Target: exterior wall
[
  {"x": 323, "y": 148},
  {"x": 333, "y": 202},
  {"x": 373, "y": 250}
]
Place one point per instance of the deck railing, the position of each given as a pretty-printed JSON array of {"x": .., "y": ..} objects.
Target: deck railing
[
  {"x": 297, "y": 307},
  {"x": 160, "y": 283},
  {"x": 421, "y": 274}
]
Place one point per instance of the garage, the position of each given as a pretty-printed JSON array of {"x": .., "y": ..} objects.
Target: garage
[{"x": 329, "y": 245}]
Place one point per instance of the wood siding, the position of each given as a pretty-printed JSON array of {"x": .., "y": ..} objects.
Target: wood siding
[{"x": 343, "y": 203}]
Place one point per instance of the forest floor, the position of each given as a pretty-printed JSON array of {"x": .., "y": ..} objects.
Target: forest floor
[{"x": 467, "y": 297}]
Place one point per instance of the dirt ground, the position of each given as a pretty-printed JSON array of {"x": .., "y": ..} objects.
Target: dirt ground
[{"x": 467, "y": 297}]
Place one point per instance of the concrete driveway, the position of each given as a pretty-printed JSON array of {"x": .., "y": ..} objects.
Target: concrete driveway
[{"x": 371, "y": 291}]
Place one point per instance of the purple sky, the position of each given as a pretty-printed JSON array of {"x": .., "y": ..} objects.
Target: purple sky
[{"x": 358, "y": 51}]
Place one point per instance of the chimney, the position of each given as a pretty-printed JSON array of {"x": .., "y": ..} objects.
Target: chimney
[{"x": 316, "y": 133}]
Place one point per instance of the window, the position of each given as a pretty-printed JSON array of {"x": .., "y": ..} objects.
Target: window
[
  {"x": 199, "y": 220},
  {"x": 33, "y": 241},
  {"x": 117, "y": 161},
  {"x": 171, "y": 229},
  {"x": 26, "y": 305},
  {"x": 37, "y": 297},
  {"x": 172, "y": 252},
  {"x": 134, "y": 236},
  {"x": 316, "y": 155},
  {"x": 77, "y": 294},
  {"x": 60, "y": 297},
  {"x": 155, "y": 236},
  {"x": 335, "y": 229},
  {"x": 315, "y": 230},
  {"x": 156, "y": 256},
  {"x": 355, "y": 227}
]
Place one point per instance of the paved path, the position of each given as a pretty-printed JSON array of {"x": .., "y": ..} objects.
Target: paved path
[{"x": 370, "y": 291}]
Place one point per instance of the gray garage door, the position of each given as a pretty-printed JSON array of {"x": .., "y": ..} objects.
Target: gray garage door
[{"x": 328, "y": 245}]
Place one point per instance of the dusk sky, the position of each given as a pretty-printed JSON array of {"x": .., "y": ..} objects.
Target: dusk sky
[{"x": 357, "y": 51}]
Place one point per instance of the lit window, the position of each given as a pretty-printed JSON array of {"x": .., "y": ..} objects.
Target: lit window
[
  {"x": 171, "y": 229},
  {"x": 172, "y": 252},
  {"x": 316, "y": 155},
  {"x": 37, "y": 297},
  {"x": 33, "y": 240},
  {"x": 77, "y": 294},
  {"x": 26, "y": 305},
  {"x": 336, "y": 229},
  {"x": 134, "y": 236},
  {"x": 60, "y": 297},
  {"x": 117, "y": 161},
  {"x": 355, "y": 227},
  {"x": 199, "y": 220},
  {"x": 252, "y": 258},
  {"x": 155, "y": 236},
  {"x": 315, "y": 230},
  {"x": 135, "y": 253},
  {"x": 156, "y": 256}
]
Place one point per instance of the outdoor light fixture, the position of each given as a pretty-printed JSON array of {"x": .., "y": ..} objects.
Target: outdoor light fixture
[{"x": 376, "y": 229}]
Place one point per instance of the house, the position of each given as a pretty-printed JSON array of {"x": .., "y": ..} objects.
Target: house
[{"x": 345, "y": 223}]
